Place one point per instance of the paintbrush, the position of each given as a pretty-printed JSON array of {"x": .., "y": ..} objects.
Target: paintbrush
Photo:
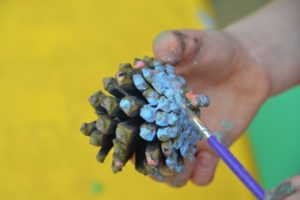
[{"x": 224, "y": 153}]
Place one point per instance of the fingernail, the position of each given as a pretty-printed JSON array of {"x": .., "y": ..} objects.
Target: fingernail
[
  {"x": 205, "y": 167},
  {"x": 168, "y": 48},
  {"x": 178, "y": 183}
]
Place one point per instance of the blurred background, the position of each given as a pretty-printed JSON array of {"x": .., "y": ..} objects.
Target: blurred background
[{"x": 53, "y": 55}]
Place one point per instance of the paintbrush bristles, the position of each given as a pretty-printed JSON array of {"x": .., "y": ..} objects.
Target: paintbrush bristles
[{"x": 144, "y": 116}]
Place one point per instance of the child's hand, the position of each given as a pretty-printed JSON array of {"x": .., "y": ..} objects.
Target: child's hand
[
  {"x": 216, "y": 64},
  {"x": 288, "y": 190}
]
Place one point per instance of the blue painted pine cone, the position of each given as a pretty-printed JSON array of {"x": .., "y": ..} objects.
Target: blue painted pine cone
[{"x": 143, "y": 116}]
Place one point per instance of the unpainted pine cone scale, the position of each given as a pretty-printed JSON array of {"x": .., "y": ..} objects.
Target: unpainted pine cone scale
[{"x": 143, "y": 117}]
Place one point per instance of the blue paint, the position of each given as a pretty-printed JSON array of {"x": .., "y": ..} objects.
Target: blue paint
[
  {"x": 203, "y": 100},
  {"x": 148, "y": 113},
  {"x": 169, "y": 93},
  {"x": 169, "y": 162},
  {"x": 165, "y": 110},
  {"x": 167, "y": 148},
  {"x": 159, "y": 68},
  {"x": 161, "y": 118},
  {"x": 126, "y": 105},
  {"x": 163, "y": 104},
  {"x": 140, "y": 82},
  {"x": 191, "y": 151},
  {"x": 178, "y": 142},
  {"x": 162, "y": 134},
  {"x": 179, "y": 98},
  {"x": 159, "y": 82},
  {"x": 181, "y": 80},
  {"x": 172, "y": 161},
  {"x": 156, "y": 174},
  {"x": 148, "y": 74},
  {"x": 151, "y": 96},
  {"x": 158, "y": 87},
  {"x": 172, "y": 118},
  {"x": 175, "y": 108},
  {"x": 156, "y": 63},
  {"x": 148, "y": 131},
  {"x": 170, "y": 69},
  {"x": 184, "y": 149},
  {"x": 173, "y": 131},
  {"x": 179, "y": 168}
]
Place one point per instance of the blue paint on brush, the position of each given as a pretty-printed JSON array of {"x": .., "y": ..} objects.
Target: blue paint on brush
[
  {"x": 140, "y": 82},
  {"x": 148, "y": 113},
  {"x": 161, "y": 118},
  {"x": 148, "y": 131}
]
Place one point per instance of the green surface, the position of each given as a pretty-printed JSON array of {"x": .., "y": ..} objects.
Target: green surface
[
  {"x": 231, "y": 10},
  {"x": 275, "y": 136}
]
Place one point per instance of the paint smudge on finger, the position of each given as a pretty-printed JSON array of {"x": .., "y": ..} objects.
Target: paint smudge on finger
[
  {"x": 282, "y": 191},
  {"x": 227, "y": 125},
  {"x": 220, "y": 136}
]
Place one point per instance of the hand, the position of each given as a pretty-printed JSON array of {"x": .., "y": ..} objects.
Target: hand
[
  {"x": 288, "y": 190},
  {"x": 218, "y": 65}
]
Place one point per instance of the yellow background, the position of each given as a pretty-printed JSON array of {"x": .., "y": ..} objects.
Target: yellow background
[{"x": 53, "y": 55}]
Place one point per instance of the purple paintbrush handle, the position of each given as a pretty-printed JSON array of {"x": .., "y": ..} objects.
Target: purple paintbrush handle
[{"x": 236, "y": 167}]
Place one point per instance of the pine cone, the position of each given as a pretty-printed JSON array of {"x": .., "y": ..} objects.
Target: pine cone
[{"x": 144, "y": 116}]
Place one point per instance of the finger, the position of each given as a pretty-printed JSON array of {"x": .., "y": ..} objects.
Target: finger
[
  {"x": 175, "y": 47},
  {"x": 296, "y": 183},
  {"x": 205, "y": 168},
  {"x": 179, "y": 180},
  {"x": 295, "y": 196},
  {"x": 286, "y": 190}
]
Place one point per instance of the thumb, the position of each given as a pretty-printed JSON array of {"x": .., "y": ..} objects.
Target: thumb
[
  {"x": 205, "y": 167},
  {"x": 177, "y": 47}
]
